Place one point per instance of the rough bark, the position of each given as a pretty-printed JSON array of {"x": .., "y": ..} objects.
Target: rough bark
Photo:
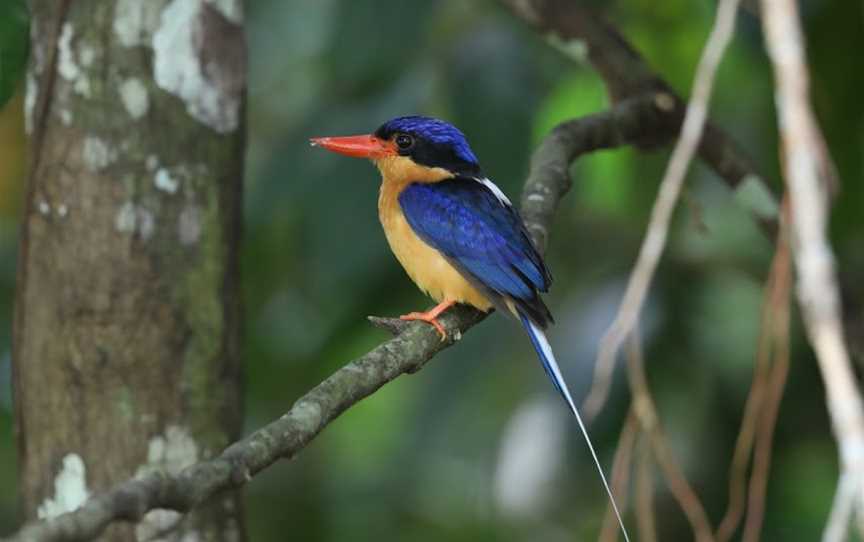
[{"x": 126, "y": 346}]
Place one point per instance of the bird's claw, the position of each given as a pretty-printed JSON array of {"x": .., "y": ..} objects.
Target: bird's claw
[{"x": 429, "y": 319}]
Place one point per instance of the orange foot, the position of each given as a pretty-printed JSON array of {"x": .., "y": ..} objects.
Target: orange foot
[{"x": 431, "y": 317}]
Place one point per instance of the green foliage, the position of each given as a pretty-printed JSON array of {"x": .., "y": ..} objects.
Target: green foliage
[
  {"x": 14, "y": 25},
  {"x": 603, "y": 178}
]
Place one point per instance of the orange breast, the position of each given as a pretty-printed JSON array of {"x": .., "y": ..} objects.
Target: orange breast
[{"x": 427, "y": 267}]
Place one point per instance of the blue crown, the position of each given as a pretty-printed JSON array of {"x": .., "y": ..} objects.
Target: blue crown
[{"x": 433, "y": 130}]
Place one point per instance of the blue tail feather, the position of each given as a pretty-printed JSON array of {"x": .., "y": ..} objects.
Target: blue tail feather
[{"x": 550, "y": 365}]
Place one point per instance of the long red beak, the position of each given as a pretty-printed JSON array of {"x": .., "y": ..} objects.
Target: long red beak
[{"x": 359, "y": 146}]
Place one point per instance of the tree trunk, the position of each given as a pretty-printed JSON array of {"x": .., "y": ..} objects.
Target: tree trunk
[{"x": 126, "y": 339}]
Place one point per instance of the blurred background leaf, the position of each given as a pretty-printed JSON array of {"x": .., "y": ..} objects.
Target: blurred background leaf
[{"x": 13, "y": 46}]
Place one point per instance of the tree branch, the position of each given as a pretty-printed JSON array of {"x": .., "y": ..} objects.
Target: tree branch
[
  {"x": 667, "y": 199},
  {"x": 583, "y": 35},
  {"x": 810, "y": 176},
  {"x": 649, "y": 119},
  {"x": 414, "y": 345}
]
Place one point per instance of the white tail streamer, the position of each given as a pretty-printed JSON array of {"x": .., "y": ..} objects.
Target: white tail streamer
[{"x": 550, "y": 365}]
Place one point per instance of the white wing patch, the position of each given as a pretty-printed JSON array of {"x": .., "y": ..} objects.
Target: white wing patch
[{"x": 495, "y": 190}]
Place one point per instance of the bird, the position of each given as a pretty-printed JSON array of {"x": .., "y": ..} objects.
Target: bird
[{"x": 457, "y": 235}]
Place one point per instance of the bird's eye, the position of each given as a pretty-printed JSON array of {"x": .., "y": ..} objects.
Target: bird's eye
[{"x": 404, "y": 141}]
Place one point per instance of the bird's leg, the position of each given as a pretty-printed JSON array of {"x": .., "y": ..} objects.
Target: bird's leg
[{"x": 431, "y": 317}]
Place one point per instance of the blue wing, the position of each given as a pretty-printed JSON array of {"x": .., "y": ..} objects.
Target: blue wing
[{"x": 475, "y": 227}]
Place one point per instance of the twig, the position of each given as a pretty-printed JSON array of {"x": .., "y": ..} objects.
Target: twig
[
  {"x": 650, "y": 424},
  {"x": 645, "y": 520},
  {"x": 776, "y": 385},
  {"x": 764, "y": 446},
  {"x": 778, "y": 301},
  {"x": 808, "y": 171},
  {"x": 661, "y": 215},
  {"x": 747, "y": 434},
  {"x": 620, "y": 476},
  {"x": 394, "y": 326},
  {"x": 765, "y": 391}
]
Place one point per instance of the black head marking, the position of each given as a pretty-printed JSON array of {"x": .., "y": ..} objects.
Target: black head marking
[{"x": 431, "y": 142}]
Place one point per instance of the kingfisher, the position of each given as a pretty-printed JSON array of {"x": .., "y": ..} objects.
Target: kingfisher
[{"x": 457, "y": 234}]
